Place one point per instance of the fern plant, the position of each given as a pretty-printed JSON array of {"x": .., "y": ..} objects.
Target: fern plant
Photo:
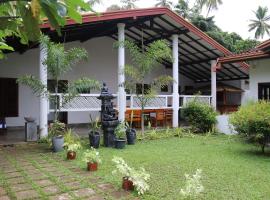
[
  {"x": 58, "y": 62},
  {"x": 144, "y": 61}
]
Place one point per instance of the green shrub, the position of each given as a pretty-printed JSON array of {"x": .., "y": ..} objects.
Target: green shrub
[
  {"x": 253, "y": 122},
  {"x": 201, "y": 116}
]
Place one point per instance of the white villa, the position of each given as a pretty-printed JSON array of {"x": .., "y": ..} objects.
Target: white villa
[{"x": 194, "y": 66}]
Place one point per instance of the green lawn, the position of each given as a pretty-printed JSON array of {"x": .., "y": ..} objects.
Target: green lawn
[{"x": 231, "y": 169}]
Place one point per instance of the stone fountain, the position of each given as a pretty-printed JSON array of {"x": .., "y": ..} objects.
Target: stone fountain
[{"x": 109, "y": 118}]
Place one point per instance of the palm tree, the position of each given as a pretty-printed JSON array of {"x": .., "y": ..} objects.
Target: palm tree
[
  {"x": 144, "y": 61},
  {"x": 210, "y": 4},
  {"x": 94, "y": 2},
  {"x": 260, "y": 23},
  {"x": 164, "y": 3},
  {"x": 128, "y": 4},
  {"x": 182, "y": 8},
  {"x": 58, "y": 62}
]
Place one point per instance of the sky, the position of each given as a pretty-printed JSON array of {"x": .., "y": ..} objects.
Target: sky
[{"x": 232, "y": 15}]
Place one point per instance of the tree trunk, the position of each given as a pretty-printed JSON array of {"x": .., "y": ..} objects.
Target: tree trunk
[{"x": 56, "y": 101}]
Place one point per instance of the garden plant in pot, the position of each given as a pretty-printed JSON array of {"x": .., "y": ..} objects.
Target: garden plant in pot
[
  {"x": 92, "y": 158},
  {"x": 130, "y": 132},
  {"x": 131, "y": 178},
  {"x": 94, "y": 135},
  {"x": 72, "y": 144},
  {"x": 56, "y": 133},
  {"x": 120, "y": 132}
]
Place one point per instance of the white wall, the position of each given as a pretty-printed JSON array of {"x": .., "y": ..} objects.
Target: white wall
[
  {"x": 259, "y": 73},
  {"x": 101, "y": 65}
]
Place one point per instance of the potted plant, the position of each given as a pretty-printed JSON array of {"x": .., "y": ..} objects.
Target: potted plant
[
  {"x": 72, "y": 144},
  {"x": 130, "y": 132},
  {"x": 92, "y": 158},
  {"x": 56, "y": 133},
  {"x": 94, "y": 135},
  {"x": 120, "y": 132},
  {"x": 132, "y": 179}
]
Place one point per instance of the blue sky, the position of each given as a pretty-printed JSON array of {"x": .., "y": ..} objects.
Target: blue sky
[{"x": 232, "y": 16}]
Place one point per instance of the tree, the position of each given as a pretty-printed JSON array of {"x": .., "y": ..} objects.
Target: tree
[
  {"x": 209, "y": 4},
  {"x": 260, "y": 24},
  {"x": 204, "y": 23},
  {"x": 128, "y": 4},
  {"x": 113, "y": 7},
  {"x": 182, "y": 8},
  {"x": 22, "y": 18},
  {"x": 186, "y": 10},
  {"x": 58, "y": 62},
  {"x": 144, "y": 60},
  {"x": 164, "y": 3}
]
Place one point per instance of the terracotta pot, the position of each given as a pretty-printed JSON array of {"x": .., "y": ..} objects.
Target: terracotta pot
[
  {"x": 127, "y": 184},
  {"x": 92, "y": 166},
  {"x": 71, "y": 155}
]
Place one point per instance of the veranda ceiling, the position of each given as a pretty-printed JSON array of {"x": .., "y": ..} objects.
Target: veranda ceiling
[{"x": 196, "y": 49}]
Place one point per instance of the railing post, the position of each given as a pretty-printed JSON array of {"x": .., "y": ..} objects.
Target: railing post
[{"x": 131, "y": 101}]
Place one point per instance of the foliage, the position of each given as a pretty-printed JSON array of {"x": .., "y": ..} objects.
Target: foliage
[
  {"x": 94, "y": 125},
  {"x": 72, "y": 147},
  {"x": 125, "y": 5},
  {"x": 56, "y": 129},
  {"x": 205, "y": 24},
  {"x": 260, "y": 24},
  {"x": 120, "y": 130},
  {"x": 23, "y": 18},
  {"x": 70, "y": 137},
  {"x": 209, "y": 4},
  {"x": 144, "y": 60},
  {"x": 241, "y": 46},
  {"x": 58, "y": 62},
  {"x": 193, "y": 186},
  {"x": 138, "y": 177},
  {"x": 164, "y": 3},
  {"x": 91, "y": 156},
  {"x": 201, "y": 116},
  {"x": 253, "y": 122}
]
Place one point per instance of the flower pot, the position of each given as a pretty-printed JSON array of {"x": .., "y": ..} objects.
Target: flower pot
[
  {"x": 92, "y": 166},
  {"x": 71, "y": 155},
  {"x": 127, "y": 184},
  {"x": 120, "y": 143},
  {"x": 94, "y": 139},
  {"x": 57, "y": 143},
  {"x": 131, "y": 136}
]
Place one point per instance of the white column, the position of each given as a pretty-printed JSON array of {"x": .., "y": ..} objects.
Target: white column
[
  {"x": 175, "y": 82},
  {"x": 214, "y": 84},
  {"x": 43, "y": 101},
  {"x": 121, "y": 73}
]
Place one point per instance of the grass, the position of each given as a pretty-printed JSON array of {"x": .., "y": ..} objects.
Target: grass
[{"x": 231, "y": 169}]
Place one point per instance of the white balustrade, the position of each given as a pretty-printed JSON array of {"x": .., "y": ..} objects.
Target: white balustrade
[{"x": 90, "y": 102}]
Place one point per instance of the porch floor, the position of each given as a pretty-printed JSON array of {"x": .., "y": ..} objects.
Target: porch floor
[
  {"x": 31, "y": 171},
  {"x": 17, "y": 136}
]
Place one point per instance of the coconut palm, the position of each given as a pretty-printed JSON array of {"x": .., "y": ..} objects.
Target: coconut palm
[
  {"x": 58, "y": 62},
  {"x": 94, "y": 2},
  {"x": 164, "y": 3},
  {"x": 144, "y": 61},
  {"x": 128, "y": 4},
  {"x": 260, "y": 24},
  {"x": 182, "y": 8},
  {"x": 209, "y": 4}
]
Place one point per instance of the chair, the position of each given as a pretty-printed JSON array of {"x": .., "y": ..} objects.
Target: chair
[
  {"x": 168, "y": 117},
  {"x": 159, "y": 119},
  {"x": 136, "y": 117}
]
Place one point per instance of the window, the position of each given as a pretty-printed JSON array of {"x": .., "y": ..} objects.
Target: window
[
  {"x": 264, "y": 91},
  {"x": 9, "y": 101},
  {"x": 139, "y": 88}
]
